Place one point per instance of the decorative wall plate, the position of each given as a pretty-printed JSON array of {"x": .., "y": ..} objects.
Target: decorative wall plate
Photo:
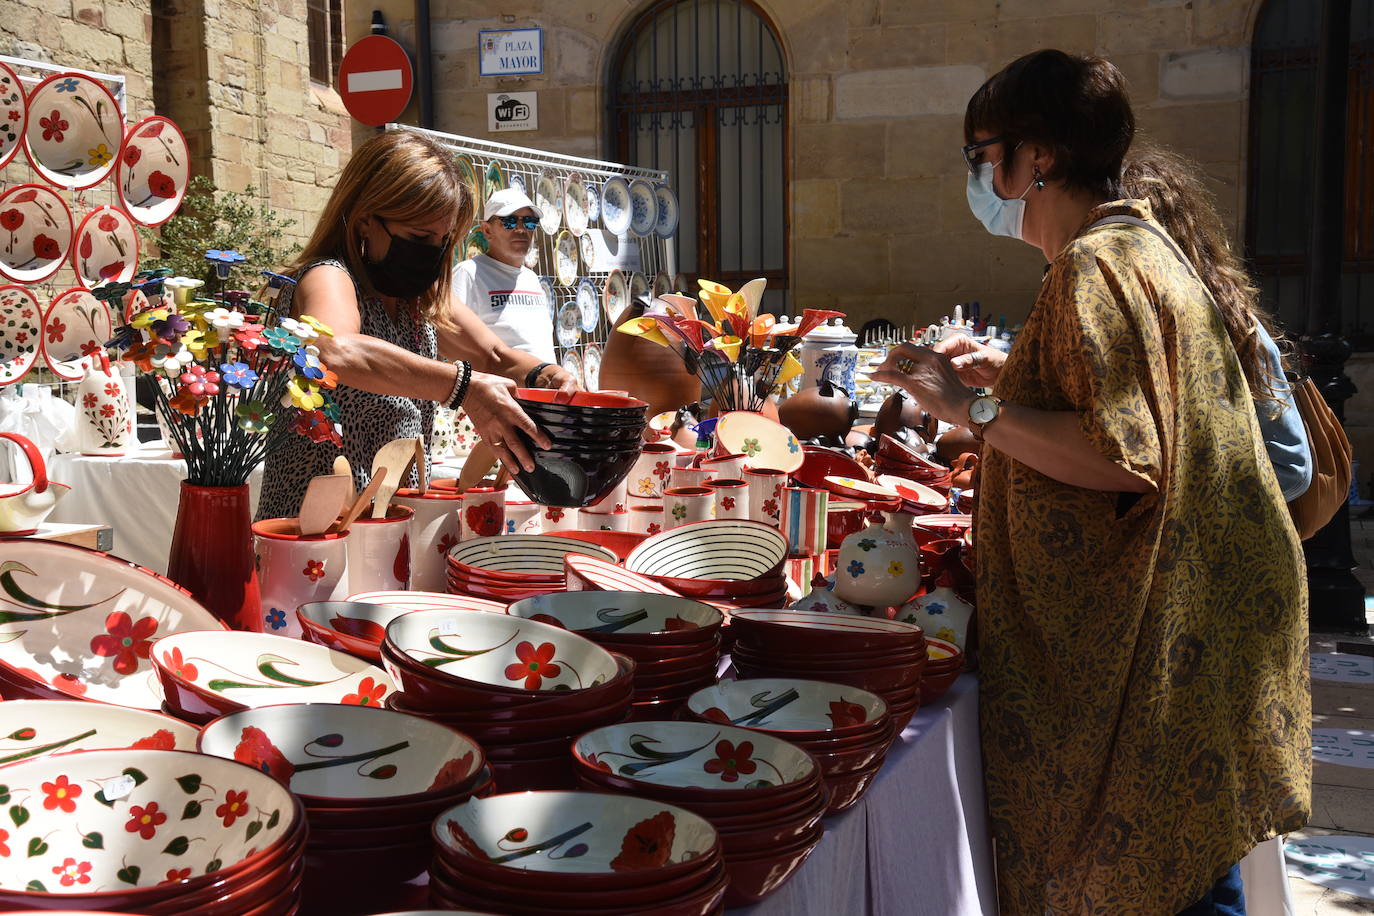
[
  {"x": 565, "y": 258},
  {"x": 575, "y": 205},
  {"x": 106, "y": 247},
  {"x": 591, "y": 367},
  {"x": 661, "y": 284},
  {"x": 615, "y": 205},
  {"x": 76, "y": 325},
  {"x": 531, "y": 259},
  {"x": 517, "y": 181},
  {"x": 475, "y": 244},
  {"x": 639, "y": 286},
  {"x": 35, "y": 232},
  {"x": 494, "y": 178},
  {"x": 643, "y": 208},
  {"x": 153, "y": 170},
  {"x": 680, "y": 284},
  {"x": 569, "y": 324},
  {"x": 593, "y": 201},
  {"x": 617, "y": 294},
  {"x": 21, "y": 332},
  {"x": 765, "y": 443},
  {"x": 74, "y": 131},
  {"x": 548, "y": 196},
  {"x": 550, "y": 298},
  {"x": 469, "y": 173},
  {"x": 665, "y": 225},
  {"x": 14, "y": 115},
  {"x": 83, "y": 623},
  {"x": 589, "y": 304},
  {"x": 572, "y": 364},
  {"x": 588, "y": 252}
]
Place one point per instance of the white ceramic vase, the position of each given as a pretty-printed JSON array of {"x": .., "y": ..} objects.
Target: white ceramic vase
[
  {"x": 941, "y": 613},
  {"x": 879, "y": 565},
  {"x": 104, "y": 424},
  {"x": 379, "y": 552},
  {"x": 433, "y": 530},
  {"x": 294, "y": 569}
]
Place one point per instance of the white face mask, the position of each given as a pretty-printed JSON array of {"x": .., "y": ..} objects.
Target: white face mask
[{"x": 998, "y": 215}]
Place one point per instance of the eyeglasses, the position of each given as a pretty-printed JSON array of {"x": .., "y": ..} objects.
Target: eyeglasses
[
  {"x": 973, "y": 153},
  {"x": 530, "y": 223}
]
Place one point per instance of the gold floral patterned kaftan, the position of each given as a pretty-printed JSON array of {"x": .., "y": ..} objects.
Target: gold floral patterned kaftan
[{"x": 1145, "y": 705}]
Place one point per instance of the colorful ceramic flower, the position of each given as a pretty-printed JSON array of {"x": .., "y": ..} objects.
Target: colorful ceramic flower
[
  {"x": 182, "y": 288},
  {"x": 895, "y": 568},
  {"x": 186, "y": 403},
  {"x": 235, "y": 806},
  {"x": 53, "y": 126},
  {"x": 72, "y": 872},
  {"x": 254, "y": 417},
  {"x": 4, "y": 843},
  {"x": 144, "y": 319},
  {"x": 224, "y": 320},
  {"x": 11, "y": 219},
  {"x": 320, "y": 327},
  {"x": 179, "y": 666},
  {"x": 282, "y": 340},
  {"x": 160, "y": 740},
  {"x": 648, "y": 844},
  {"x": 201, "y": 382},
  {"x": 61, "y": 795},
  {"x": 125, "y": 640},
  {"x": 238, "y": 374},
  {"x": 170, "y": 327},
  {"x": 99, "y": 156},
  {"x": 250, "y": 336},
  {"x": 175, "y": 875},
  {"x": 257, "y": 751},
  {"x": 276, "y": 618},
  {"x": 731, "y": 760},
  {"x": 452, "y": 771},
  {"x": 67, "y": 85},
  {"x": 56, "y": 329},
  {"x": 314, "y": 570},
  {"x": 308, "y": 364},
  {"x": 483, "y": 519},
  {"x": 855, "y": 569},
  {"x": 300, "y": 329},
  {"x": 162, "y": 185},
  {"x": 145, "y": 819},
  {"x": 536, "y": 663},
  {"x": 316, "y": 426},
  {"x": 370, "y": 693},
  {"x": 172, "y": 360}
]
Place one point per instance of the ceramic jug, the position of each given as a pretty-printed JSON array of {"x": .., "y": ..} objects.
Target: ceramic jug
[
  {"x": 879, "y": 565},
  {"x": 829, "y": 351},
  {"x": 823, "y": 600},
  {"x": 104, "y": 423},
  {"x": 24, "y": 506},
  {"x": 941, "y": 613}
]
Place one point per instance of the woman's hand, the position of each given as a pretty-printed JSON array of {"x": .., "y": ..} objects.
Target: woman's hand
[
  {"x": 552, "y": 376},
  {"x": 930, "y": 379},
  {"x": 496, "y": 417},
  {"x": 978, "y": 365}
]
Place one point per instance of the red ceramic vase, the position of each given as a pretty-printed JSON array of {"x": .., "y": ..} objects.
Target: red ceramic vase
[{"x": 212, "y": 552}]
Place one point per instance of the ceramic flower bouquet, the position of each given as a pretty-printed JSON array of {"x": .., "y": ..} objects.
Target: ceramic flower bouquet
[
  {"x": 233, "y": 377},
  {"x": 739, "y": 355}
]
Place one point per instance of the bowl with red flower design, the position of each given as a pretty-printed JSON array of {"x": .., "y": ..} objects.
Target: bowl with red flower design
[
  {"x": 424, "y": 601},
  {"x": 328, "y": 752},
  {"x": 358, "y": 625},
  {"x": 636, "y": 618},
  {"x": 574, "y": 840},
  {"x": 791, "y": 707},
  {"x": 38, "y": 728},
  {"x": 694, "y": 761},
  {"x": 229, "y": 672},
  {"x": 82, "y": 623},
  {"x": 123, "y": 828},
  {"x": 418, "y": 814},
  {"x": 505, "y": 655}
]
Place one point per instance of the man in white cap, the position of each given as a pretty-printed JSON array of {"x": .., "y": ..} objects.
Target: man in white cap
[{"x": 498, "y": 287}]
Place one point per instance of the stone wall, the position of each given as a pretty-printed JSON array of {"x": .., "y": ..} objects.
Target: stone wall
[{"x": 877, "y": 93}]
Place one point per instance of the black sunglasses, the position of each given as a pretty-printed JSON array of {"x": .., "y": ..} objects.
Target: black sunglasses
[
  {"x": 973, "y": 151},
  {"x": 530, "y": 223}
]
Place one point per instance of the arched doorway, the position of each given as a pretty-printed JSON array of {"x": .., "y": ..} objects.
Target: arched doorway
[
  {"x": 1283, "y": 89},
  {"x": 699, "y": 88}
]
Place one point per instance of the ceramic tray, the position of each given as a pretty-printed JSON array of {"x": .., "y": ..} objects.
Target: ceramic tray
[
  {"x": 14, "y": 110},
  {"x": 35, "y": 232},
  {"x": 765, "y": 443},
  {"x": 21, "y": 332},
  {"x": 153, "y": 170},
  {"x": 39, "y": 728},
  {"x": 695, "y": 754},
  {"x": 74, "y": 130}
]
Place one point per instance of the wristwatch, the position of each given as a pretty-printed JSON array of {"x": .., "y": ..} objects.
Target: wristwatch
[{"x": 982, "y": 412}]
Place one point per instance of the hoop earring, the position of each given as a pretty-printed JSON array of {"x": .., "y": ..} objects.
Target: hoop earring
[{"x": 1039, "y": 180}]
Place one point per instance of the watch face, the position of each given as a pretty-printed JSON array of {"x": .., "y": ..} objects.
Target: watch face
[{"x": 982, "y": 410}]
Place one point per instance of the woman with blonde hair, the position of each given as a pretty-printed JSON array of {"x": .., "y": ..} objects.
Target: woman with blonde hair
[{"x": 376, "y": 272}]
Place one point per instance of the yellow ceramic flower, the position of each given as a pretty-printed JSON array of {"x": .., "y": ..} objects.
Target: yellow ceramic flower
[
  {"x": 304, "y": 393},
  {"x": 728, "y": 346},
  {"x": 319, "y": 326},
  {"x": 195, "y": 341},
  {"x": 895, "y": 568},
  {"x": 100, "y": 155},
  {"x": 646, "y": 328},
  {"x": 144, "y": 320},
  {"x": 714, "y": 295}
]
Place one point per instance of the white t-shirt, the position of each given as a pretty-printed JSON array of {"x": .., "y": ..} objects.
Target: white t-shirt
[{"x": 510, "y": 301}]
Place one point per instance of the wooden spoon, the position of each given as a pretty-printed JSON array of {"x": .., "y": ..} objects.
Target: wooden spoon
[
  {"x": 396, "y": 457},
  {"x": 325, "y": 498},
  {"x": 476, "y": 466},
  {"x": 360, "y": 502},
  {"x": 420, "y": 482},
  {"x": 341, "y": 466}
]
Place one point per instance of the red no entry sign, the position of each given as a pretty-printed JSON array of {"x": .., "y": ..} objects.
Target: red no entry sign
[{"x": 375, "y": 80}]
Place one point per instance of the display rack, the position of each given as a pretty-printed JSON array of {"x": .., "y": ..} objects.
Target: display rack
[{"x": 523, "y": 166}]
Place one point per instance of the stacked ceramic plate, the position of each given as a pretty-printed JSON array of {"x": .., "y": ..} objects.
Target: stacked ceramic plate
[
  {"x": 521, "y": 688},
  {"x": 737, "y": 561},
  {"x": 901, "y": 460},
  {"x": 763, "y": 795},
  {"x": 357, "y": 626},
  {"x": 510, "y": 567},
  {"x": 150, "y": 831},
  {"x": 674, "y": 642},
  {"x": 576, "y": 853},
  {"x": 596, "y": 440},
  {"x": 371, "y": 782},
  {"x": 943, "y": 667},
  {"x": 846, "y": 729},
  {"x": 886, "y": 657}
]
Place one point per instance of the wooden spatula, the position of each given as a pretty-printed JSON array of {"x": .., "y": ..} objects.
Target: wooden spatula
[
  {"x": 341, "y": 466},
  {"x": 421, "y": 483},
  {"x": 360, "y": 503},
  {"x": 396, "y": 456},
  {"x": 476, "y": 466},
  {"x": 325, "y": 498}
]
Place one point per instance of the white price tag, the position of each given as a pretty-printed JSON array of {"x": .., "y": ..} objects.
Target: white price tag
[
  {"x": 117, "y": 788},
  {"x": 448, "y": 627}
]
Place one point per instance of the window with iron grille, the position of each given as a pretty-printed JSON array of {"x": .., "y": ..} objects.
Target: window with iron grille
[{"x": 324, "y": 34}]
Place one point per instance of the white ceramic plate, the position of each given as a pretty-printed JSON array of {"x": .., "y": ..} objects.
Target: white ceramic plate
[
  {"x": 643, "y": 208},
  {"x": 661, "y": 285},
  {"x": 765, "y": 443},
  {"x": 680, "y": 283},
  {"x": 548, "y": 196},
  {"x": 591, "y": 367},
  {"x": 569, "y": 324},
  {"x": 106, "y": 248},
  {"x": 546, "y": 284},
  {"x": 665, "y": 226},
  {"x": 517, "y": 182},
  {"x": 615, "y": 205},
  {"x": 14, "y": 113},
  {"x": 575, "y": 205},
  {"x": 572, "y": 364},
  {"x": 588, "y": 252},
  {"x": 532, "y": 256},
  {"x": 75, "y": 326},
  {"x": 639, "y": 286},
  {"x": 593, "y": 202},
  {"x": 35, "y": 233},
  {"x": 589, "y": 304},
  {"x": 565, "y": 258},
  {"x": 153, "y": 170},
  {"x": 39, "y": 728},
  {"x": 617, "y": 294},
  {"x": 21, "y": 332},
  {"x": 74, "y": 131}
]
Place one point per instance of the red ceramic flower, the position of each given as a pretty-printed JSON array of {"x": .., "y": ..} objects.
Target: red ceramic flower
[
  {"x": 4, "y": 844},
  {"x": 11, "y": 219},
  {"x": 446, "y": 543},
  {"x": 452, "y": 771},
  {"x": 234, "y": 807},
  {"x": 601, "y": 765},
  {"x": 72, "y": 872},
  {"x": 160, "y": 184},
  {"x": 176, "y": 874},
  {"x": 125, "y": 641},
  {"x": 110, "y": 271},
  {"x": 731, "y": 760},
  {"x": 369, "y": 693},
  {"x": 535, "y": 664},
  {"x": 145, "y": 819},
  {"x": 485, "y": 520},
  {"x": 70, "y": 684},
  {"x": 90, "y": 348},
  {"x": 770, "y": 507},
  {"x": 132, "y": 154},
  {"x": 21, "y": 337},
  {"x": 258, "y": 751},
  {"x": 677, "y": 623},
  {"x": 647, "y": 844},
  {"x": 727, "y": 503},
  {"x": 15, "y": 116},
  {"x": 61, "y": 795},
  {"x": 716, "y": 714},
  {"x": 553, "y": 513},
  {"x": 107, "y": 410},
  {"x": 53, "y": 126},
  {"x": 108, "y": 222},
  {"x": 661, "y": 470},
  {"x": 314, "y": 570},
  {"x": 153, "y": 130},
  {"x": 25, "y": 197},
  {"x": 179, "y": 666},
  {"x": 160, "y": 740},
  {"x": 844, "y": 714},
  {"x": 654, "y": 528},
  {"x": 46, "y": 247},
  {"x": 87, "y": 245}
]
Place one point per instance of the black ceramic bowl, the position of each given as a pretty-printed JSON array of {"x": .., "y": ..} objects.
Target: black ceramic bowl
[
  {"x": 575, "y": 478},
  {"x": 579, "y": 431},
  {"x": 584, "y": 405}
]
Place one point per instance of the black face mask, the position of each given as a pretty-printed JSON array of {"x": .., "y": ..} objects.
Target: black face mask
[{"x": 409, "y": 268}]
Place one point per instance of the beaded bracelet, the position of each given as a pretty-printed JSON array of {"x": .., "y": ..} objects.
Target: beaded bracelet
[
  {"x": 460, "y": 384},
  {"x": 533, "y": 375}
]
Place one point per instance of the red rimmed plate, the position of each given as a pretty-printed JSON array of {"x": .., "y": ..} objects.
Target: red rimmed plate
[
  {"x": 14, "y": 113},
  {"x": 106, "y": 248},
  {"x": 21, "y": 332},
  {"x": 35, "y": 232},
  {"x": 76, "y": 325},
  {"x": 765, "y": 443},
  {"x": 153, "y": 171},
  {"x": 74, "y": 131}
]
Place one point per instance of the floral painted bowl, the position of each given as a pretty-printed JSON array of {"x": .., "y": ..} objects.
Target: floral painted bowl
[
  {"x": 74, "y": 131},
  {"x": 38, "y": 232},
  {"x": 348, "y": 754},
  {"x": 621, "y": 543},
  {"x": 121, "y": 822},
  {"x": 83, "y": 623},
  {"x": 828, "y": 633},
  {"x": 577, "y": 840},
  {"x": 506, "y": 655},
  {"x": 358, "y": 625},
  {"x": 531, "y": 553},
  {"x": 637, "y": 618},
  {"x": 418, "y": 814},
  {"x": 732, "y": 550},
  {"x": 39, "y": 728},
  {"x": 106, "y": 247},
  {"x": 792, "y": 708},
  {"x": 230, "y": 672},
  {"x": 153, "y": 171}
]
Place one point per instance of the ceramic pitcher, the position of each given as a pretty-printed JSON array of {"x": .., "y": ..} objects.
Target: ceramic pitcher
[
  {"x": 23, "y": 506},
  {"x": 941, "y": 613},
  {"x": 104, "y": 424},
  {"x": 880, "y": 564}
]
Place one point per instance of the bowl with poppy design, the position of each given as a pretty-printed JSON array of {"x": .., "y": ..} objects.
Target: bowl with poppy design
[
  {"x": 574, "y": 840},
  {"x": 792, "y": 708},
  {"x": 880, "y": 679},
  {"x": 38, "y": 728},
  {"x": 126, "y": 828},
  {"x": 370, "y": 816},
  {"x": 82, "y": 623},
  {"x": 207, "y": 671},
  {"x": 630, "y": 618},
  {"x": 329, "y": 753}
]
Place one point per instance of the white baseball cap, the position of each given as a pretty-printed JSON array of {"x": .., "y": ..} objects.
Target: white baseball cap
[{"x": 508, "y": 201}]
